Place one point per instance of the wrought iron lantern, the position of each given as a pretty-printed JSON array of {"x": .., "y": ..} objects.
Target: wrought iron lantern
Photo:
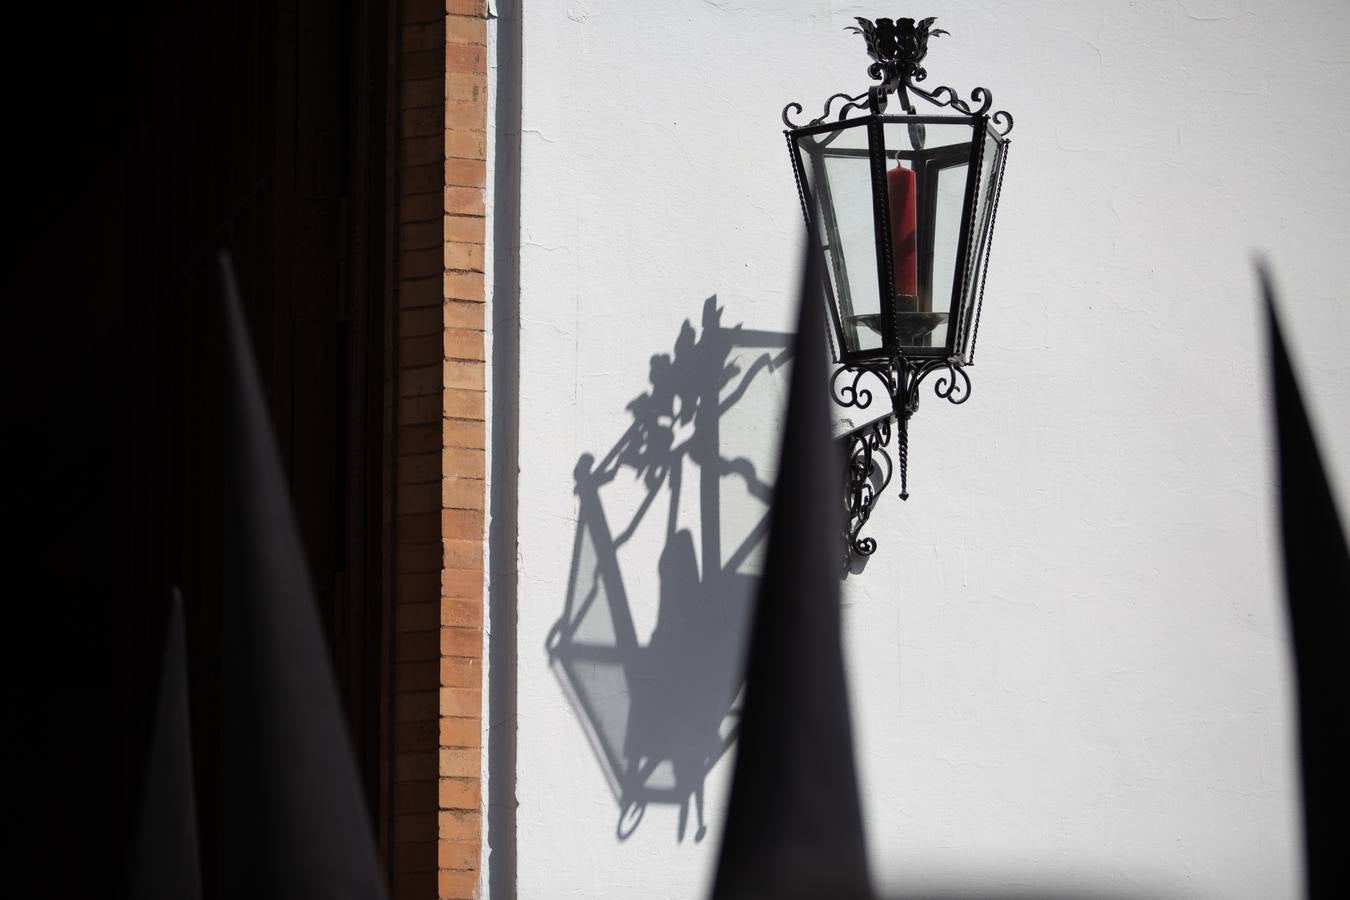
[{"x": 902, "y": 207}]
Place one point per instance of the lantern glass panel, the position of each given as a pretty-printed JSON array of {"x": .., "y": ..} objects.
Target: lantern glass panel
[
  {"x": 927, "y": 168},
  {"x": 991, "y": 164},
  {"x": 838, "y": 172}
]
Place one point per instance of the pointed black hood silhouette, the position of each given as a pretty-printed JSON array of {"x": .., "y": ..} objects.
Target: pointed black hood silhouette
[
  {"x": 293, "y": 819},
  {"x": 794, "y": 823},
  {"x": 1317, "y": 580},
  {"x": 166, "y": 865}
]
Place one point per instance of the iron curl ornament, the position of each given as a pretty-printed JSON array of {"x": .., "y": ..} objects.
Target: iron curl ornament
[
  {"x": 898, "y": 48},
  {"x": 900, "y": 206}
]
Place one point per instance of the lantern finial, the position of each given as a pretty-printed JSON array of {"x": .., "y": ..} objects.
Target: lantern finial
[{"x": 898, "y": 47}]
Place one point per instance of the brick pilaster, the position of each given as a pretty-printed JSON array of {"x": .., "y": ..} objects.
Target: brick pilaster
[{"x": 437, "y": 514}]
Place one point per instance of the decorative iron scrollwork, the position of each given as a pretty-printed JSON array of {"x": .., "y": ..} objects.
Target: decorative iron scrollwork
[
  {"x": 897, "y": 48},
  {"x": 844, "y": 385},
  {"x": 794, "y": 109},
  {"x": 869, "y": 466},
  {"x": 868, "y": 469}
]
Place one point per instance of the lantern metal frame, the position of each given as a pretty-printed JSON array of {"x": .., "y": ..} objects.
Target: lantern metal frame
[{"x": 898, "y": 49}]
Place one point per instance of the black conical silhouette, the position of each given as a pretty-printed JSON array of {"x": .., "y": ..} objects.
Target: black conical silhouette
[
  {"x": 293, "y": 819},
  {"x": 794, "y": 822},
  {"x": 166, "y": 864},
  {"x": 1317, "y": 582}
]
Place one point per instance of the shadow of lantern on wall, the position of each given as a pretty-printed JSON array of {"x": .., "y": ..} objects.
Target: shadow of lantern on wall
[
  {"x": 901, "y": 207},
  {"x": 659, "y": 696}
]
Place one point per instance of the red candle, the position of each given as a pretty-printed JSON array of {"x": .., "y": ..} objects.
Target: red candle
[{"x": 900, "y": 192}]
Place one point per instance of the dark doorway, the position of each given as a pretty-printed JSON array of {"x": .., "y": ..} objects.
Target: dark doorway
[{"x": 170, "y": 132}]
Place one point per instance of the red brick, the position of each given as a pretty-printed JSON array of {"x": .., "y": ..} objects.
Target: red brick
[
  {"x": 466, "y": 583},
  {"x": 465, "y": 86},
  {"x": 463, "y": 314},
  {"x": 465, "y": 58},
  {"x": 466, "y": 173},
  {"x": 462, "y": 525},
  {"x": 464, "y": 201},
  {"x": 459, "y": 672},
  {"x": 461, "y": 702},
  {"x": 461, "y": 343},
  {"x": 460, "y": 763},
  {"x": 463, "y": 375},
  {"x": 461, "y": 642},
  {"x": 462, "y": 555},
  {"x": 466, "y": 257},
  {"x": 460, "y": 733},
  {"x": 465, "y": 115},
  {"x": 463, "y": 433},
  {"x": 465, "y": 29},
  {"x": 465, "y": 144},
  {"x": 462, "y": 613},
  {"x": 458, "y": 793},
  {"x": 459, "y": 825},
  {"x": 464, "y": 229},
  {"x": 466, "y": 7},
  {"x": 457, "y": 855},
  {"x": 463, "y": 463},
  {"x": 462, "y": 493},
  {"x": 460, "y": 404},
  {"x": 453, "y": 884}
]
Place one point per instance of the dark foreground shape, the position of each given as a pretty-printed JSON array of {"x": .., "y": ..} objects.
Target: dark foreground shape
[
  {"x": 294, "y": 822},
  {"x": 1317, "y": 581},
  {"x": 794, "y": 823},
  {"x": 166, "y": 864}
]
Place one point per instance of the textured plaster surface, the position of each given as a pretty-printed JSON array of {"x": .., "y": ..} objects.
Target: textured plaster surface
[{"x": 1068, "y": 657}]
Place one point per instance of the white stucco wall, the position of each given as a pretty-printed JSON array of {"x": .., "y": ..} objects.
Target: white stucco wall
[{"x": 1068, "y": 656}]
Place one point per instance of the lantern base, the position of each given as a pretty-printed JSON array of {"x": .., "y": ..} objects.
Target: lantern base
[
  {"x": 868, "y": 465},
  {"x": 911, "y": 327}
]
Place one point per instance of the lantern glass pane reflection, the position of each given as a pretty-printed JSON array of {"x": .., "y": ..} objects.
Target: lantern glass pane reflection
[{"x": 838, "y": 171}]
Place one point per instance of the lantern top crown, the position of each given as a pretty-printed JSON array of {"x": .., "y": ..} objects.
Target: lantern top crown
[{"x": 898, "y": 47}]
